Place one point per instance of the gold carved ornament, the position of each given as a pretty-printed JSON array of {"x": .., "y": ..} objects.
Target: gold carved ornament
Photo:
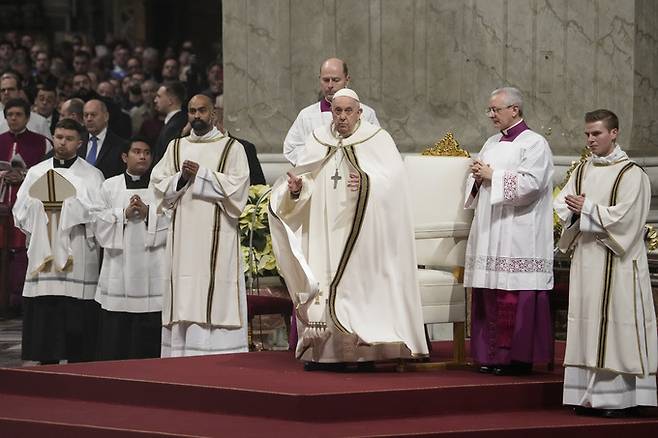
[{"x": 446, "y": 147}]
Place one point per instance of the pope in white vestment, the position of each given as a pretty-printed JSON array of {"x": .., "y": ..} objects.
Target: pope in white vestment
[
  {"x": 612, "y": 347},
  {"x": 65, "y": 267},
  {"x": 352, "y": 275},
  {"x": 309, "y": 119},
  {"x": 204, "y": 309}
]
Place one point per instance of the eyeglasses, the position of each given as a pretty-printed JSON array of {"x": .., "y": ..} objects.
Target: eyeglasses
[{"x": 495, "y": 110}]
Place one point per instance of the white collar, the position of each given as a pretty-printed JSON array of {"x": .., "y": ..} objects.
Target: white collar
[
  {"x": 213, "y": 134},
  {"x": 101, "y": 136},
  {"x": 171, "y": 114},
  {"x": 613, "y": 157}
]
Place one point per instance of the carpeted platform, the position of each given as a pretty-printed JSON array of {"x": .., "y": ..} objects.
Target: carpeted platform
[{"x": 268, "y": 393}]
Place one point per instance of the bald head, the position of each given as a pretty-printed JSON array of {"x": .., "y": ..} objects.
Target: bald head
[
  {"x": 201, "y": 114},
  {"x": 73, "y": 109},
  {"x": 333, "y": 77},
  {"x": 95, "y": 116}
]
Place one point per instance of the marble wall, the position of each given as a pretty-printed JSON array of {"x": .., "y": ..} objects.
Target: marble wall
[{"x": 428, "y": 66}]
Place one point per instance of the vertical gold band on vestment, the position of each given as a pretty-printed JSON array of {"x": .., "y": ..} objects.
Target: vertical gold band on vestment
[
  {"x": 214, "y": 249},
  {"x": 607, "y": 284},
  {"x": 362, "y": 202}
]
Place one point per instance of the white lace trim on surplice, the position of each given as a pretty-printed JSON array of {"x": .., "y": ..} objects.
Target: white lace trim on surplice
[{"x": 508, "y": 264}]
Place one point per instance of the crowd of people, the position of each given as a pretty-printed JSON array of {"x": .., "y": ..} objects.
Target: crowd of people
[{"x": 143, "y": 258}]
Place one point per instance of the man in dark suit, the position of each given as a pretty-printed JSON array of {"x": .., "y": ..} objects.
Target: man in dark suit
[
  {"x": 169, "y": 101},
  {"x": 256, "y": 175},
  {"x": 102, "y": 147},
  {"x": 120, "y": 122}
]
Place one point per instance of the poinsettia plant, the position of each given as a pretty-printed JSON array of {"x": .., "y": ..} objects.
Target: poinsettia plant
[{"x": 254, "y": 227}]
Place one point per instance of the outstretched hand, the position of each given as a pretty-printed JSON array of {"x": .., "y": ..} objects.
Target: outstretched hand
[{"x": 294, "y": 183}]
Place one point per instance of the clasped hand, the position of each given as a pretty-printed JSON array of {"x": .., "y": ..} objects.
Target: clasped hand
[
  {"x": 136, "y": 209},
  {"x": 575, "y": 203},
  {"x": 481, "y": 171},
  {"x": 189, "y": 170}
]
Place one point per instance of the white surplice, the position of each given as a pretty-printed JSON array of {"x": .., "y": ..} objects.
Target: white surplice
[
  {"x": 352, "y": 275},
  {"x": 510, "y": 245},
  {"x": 612, "y": 346},
  {"x": 135, "y": 271},
  {"x": 67, "y": 266},
  {"x": 308, "y": 120},
  {"x": 205, "y": 301}
]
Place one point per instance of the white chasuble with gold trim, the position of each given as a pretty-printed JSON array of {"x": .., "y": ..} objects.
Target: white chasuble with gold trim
[
  {"x": 611, "y": 322},
  {"x": 347, "y": 256},
  {"x": 207, "y": 282}
]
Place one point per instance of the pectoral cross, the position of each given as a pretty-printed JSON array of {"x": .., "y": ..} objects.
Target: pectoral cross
[
  {"x": 317, "y": 298},
  {"x": 336, "y": 178}
]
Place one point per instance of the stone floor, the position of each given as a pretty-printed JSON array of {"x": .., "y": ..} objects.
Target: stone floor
[{"x": 10, "y": 342}]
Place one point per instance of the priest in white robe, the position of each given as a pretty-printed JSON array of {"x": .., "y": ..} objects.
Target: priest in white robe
[
  {"x": 612, "y": 347},
  {"x": 134, "y": 274},
  {"x": 204, "y": 180},
  {"x": 334, "y": 76},
  {"x": 352, "y": 274},
  {"x": 61, "y": 317},
  {"x": 509, "y": 254}
]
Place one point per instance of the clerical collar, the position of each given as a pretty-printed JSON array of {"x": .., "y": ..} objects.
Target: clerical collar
[
  {"x": 19, "y": 133},
  {"x": 513, "y": 131},
  {"x": 617, "y": 155},
  {"x": 136, "y": 181},
  {"x": 325, "y": 105},
  {"x": 64, "y": 163}
]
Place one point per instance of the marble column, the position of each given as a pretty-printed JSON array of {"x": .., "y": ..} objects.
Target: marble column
[{"x": 427, "y": 66}]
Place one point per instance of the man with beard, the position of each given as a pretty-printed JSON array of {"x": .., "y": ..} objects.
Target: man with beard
[{"x": 204, "y": 180}]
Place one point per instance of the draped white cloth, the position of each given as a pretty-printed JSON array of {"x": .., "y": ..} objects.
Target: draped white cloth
[
  {"x": 510, "y": 245},
  {"x": 135, "y": 265},
  {"x": 611, "y": 328},
  {"x": 309, "y": 119},
  {"x": 352, "y": 274},
  {"x": 67, "y": 265},
  {"x": 207, "y": 281}
]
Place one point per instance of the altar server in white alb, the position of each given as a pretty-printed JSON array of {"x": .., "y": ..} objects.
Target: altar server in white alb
[
  {"x": 352, "y": 276},
  {"x": 509, "y": 254},
  {"x": 204, "y": 180},
  {"x": 612, "y": 348},
  {"x": 333, "y": 77},
  {"x": 134, "y": 274},
  {"x": 61, "y": 317}
]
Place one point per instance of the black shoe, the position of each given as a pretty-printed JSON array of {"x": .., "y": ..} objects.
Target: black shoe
[
  {"x": 513, "y": 369},
  {"x": 325, "y": 366},
  {"x": 617, "y": 413},
  {"x": 365, "y": 366},
  {"x": 605, "y": 413},
  {"x": 486, "y": 369},
  {"x": 586, "y": 411}
]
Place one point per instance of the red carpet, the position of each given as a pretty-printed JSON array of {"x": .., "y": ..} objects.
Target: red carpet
[{"x": 269, "y": 394}]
